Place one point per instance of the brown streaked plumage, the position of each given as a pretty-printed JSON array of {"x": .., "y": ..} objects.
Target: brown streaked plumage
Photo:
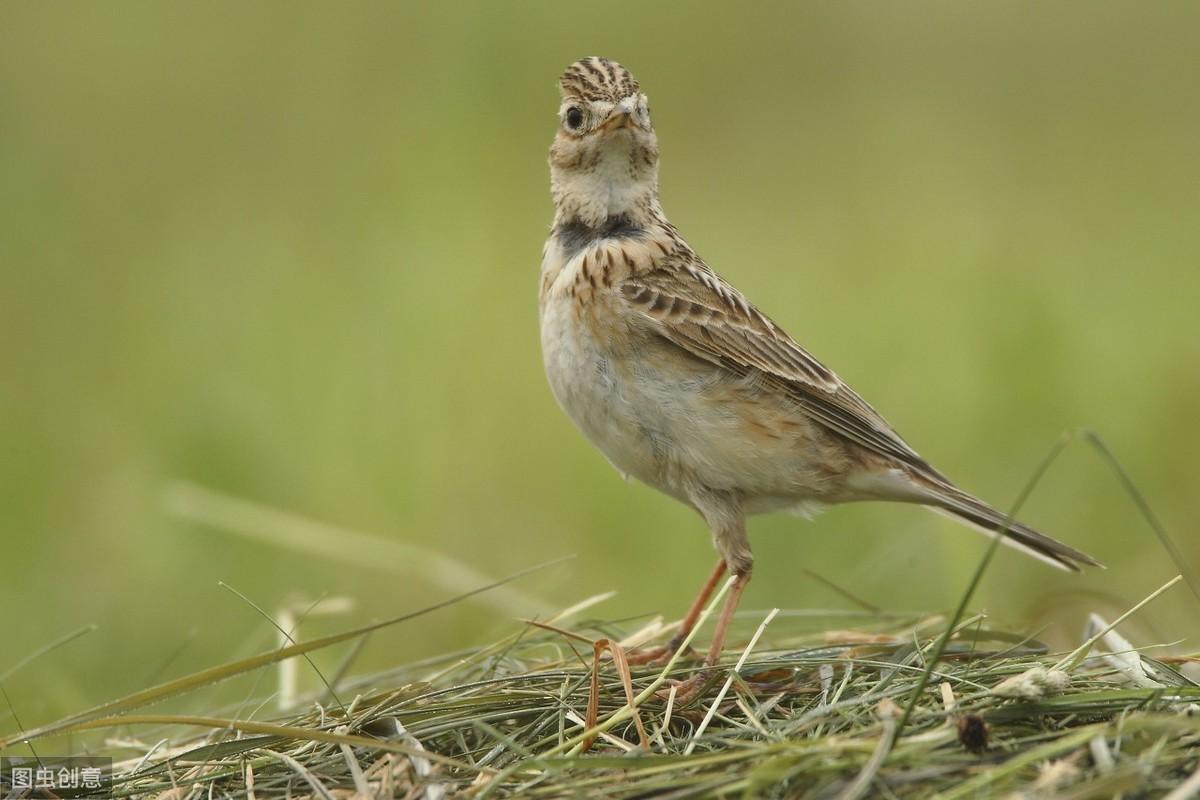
[
  {"x": 683, "y": 383},
  {"x": 598, "y": 79}
]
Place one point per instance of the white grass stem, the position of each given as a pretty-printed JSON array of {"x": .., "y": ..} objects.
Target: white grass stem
[
  {"x": 666, "y": 723},
  {"x": 1076, "y": 656}
]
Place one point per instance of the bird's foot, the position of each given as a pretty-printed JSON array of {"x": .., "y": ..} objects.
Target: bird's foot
[
  {"x": 660, "y": 655},
  {"x": 690, "y": 690},
  {"x": 773, "y": 681}
]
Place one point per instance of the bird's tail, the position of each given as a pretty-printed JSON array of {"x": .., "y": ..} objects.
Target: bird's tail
[{"x": 959, "y": 505}]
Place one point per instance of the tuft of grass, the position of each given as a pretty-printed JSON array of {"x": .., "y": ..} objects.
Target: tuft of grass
[
  {"x": 820, "y": 704},
  {"x": 812, "y": 711}
]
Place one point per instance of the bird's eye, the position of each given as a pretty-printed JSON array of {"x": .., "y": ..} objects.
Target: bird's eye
[{"x": 574, "y": 118}]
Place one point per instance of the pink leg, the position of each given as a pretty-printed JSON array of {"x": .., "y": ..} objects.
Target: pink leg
[
  {"x": 698, "y": 605},
  {"x": 659, "y": 654},
  {"x": 731, "y": 604},
  {"x": 688, "y": 690}
]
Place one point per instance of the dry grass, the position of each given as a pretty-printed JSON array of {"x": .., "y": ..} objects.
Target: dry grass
[
  {"x": 816, "y": 710},
  {"x": 809, "y": 703}
]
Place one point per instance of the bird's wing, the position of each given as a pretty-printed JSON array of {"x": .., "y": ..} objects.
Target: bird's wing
[{"x": 693, "y": 307}]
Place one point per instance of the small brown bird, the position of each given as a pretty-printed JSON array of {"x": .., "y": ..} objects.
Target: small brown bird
[{"x": 680, "y": 381}]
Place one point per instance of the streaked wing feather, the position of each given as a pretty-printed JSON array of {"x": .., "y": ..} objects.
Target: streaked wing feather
[
  {"x": 699, "y": 304},
  {"x": 695, "y": 309}
]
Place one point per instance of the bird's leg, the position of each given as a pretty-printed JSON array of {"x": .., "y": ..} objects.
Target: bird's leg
[
  {"x": 722, "y": 510},
  {"x": 662, "y": 654},
  {"x": 731, "y": 604},
  {"x": 693, "y": 687},
  {"x": 689, "y": 621}
]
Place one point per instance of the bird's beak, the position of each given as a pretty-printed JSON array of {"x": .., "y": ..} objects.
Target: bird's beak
[{"x": 616, "y": 121}]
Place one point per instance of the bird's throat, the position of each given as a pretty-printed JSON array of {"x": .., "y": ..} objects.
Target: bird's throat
[{"x": 575, "y": 234}]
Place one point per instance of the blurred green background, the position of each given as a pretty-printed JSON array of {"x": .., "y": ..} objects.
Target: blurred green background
[{"x": 289, "y": 252}]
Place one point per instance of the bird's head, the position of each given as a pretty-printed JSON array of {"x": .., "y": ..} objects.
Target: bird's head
[{"x": 604, "y": 159}]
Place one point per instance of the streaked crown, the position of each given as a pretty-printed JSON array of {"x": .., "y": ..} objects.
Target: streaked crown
[{"x": 597, "y": 78}]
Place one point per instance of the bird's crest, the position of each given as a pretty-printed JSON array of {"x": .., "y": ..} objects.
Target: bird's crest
[{"x": 597, "y": 78}]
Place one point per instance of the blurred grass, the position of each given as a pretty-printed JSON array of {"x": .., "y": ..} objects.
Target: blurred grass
[{"x": 290, "y": 254}]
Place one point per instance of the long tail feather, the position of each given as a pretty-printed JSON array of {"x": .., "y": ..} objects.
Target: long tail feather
[{"x": 959, "y": 505}]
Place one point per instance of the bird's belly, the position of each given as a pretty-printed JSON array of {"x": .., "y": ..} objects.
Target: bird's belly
[{"x": 674, "y": 421}]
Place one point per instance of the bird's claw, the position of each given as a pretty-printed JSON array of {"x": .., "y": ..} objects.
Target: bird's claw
[
  {"x": 659, "y": 656},
  {"x": 690, "y": 690}
]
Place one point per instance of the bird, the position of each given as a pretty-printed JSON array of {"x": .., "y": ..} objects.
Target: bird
[{"x": 685, "y": 385}]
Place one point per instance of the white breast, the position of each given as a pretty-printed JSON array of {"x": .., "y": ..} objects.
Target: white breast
[{"x": 589, "y": 384}]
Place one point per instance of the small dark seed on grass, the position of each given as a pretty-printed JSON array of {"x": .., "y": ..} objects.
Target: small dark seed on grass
[{"x": 973, "y": 733}]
